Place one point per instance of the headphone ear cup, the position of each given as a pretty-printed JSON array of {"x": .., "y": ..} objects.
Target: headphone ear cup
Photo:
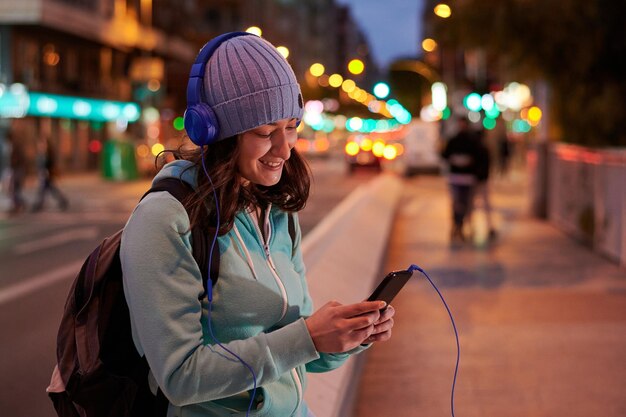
[{"x": 201, "y": 124}]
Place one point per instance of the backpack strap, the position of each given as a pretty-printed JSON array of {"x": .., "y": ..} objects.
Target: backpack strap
[{"x": 201, "y": 238}]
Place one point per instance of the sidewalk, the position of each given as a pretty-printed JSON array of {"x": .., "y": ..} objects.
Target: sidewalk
[
  {"x": 87, "y": 192},
  {"x": 541, "y": 319}
]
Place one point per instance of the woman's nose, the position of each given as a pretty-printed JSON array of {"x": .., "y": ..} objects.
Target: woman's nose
[{"x": 281, "y": 146}]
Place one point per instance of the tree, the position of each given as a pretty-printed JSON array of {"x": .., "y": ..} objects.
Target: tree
[{"x": 577, "y": 46}]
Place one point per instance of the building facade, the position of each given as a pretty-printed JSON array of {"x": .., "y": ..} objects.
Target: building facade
[{"x": 69, "y": 58}]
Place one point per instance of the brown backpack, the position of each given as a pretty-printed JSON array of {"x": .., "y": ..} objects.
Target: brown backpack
[{"x": 99, "y": 372}]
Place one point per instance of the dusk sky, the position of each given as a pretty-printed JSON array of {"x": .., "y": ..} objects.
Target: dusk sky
[{"x": 393, "y": 27}]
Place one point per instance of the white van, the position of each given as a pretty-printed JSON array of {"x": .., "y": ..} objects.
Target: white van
[{"x": 422, "y": 147}]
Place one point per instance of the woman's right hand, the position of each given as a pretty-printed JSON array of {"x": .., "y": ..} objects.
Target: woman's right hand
[{"x": 337, "y": 328}]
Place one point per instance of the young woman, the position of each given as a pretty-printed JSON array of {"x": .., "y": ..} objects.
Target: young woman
[{"x": 249, "y": 346}]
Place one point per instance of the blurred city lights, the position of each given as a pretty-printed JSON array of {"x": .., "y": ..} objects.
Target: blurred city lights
[
  {"x": 314, "y": 106},
  {"x": 352, "y": 148},
  {"x": 81, "y": 108},
  {"x": 492, "y": 113},
  {"x": 150, "y": 115},
  {"x": 331, "y": 104},
  {"x": 472, "y": 102},
  {"x": 430, "y": 114},
  {"x": 390, "y": 152},
  {"x": 321, "y": 144},
  {"x": 179, "y": 123},
  {"x": 487, "y": 102},
  {"x": 378, "y": 148},
  {"x": 374, "y": 106},
  {"x": 283, "y": 50},
  {"x": 521, "y": 126},
  {"x": 157, "y": 148},
  {"x": 354, "y": 123},
  {"x": 474, "y": 116},
  {"x": 14, "y": 100},
  {"x": 143, "y": 151},
  {"x": 366, "y": 144},
  {"x": 95, "y": 146},
  {"x": 255, "y": 30},
  {"x": 348, "y": 86},
  {"x": 52, "y": 105},
  {"x": 489, "y": 123},
  {"x": 356, "y": 66},
  {"x": 323, "y": 80},
  {"x": 335, "y": 80},
  {"x": 439, "y": 96},
  {"x": 381, "y": 90},
  {"x": 317, "y": 69},
  {"x": 429, "y": 45},
  {"x": 154, "y": 85},
  {"x": 516, "y": 96},
  {"x": 443, "y": 10},
  {"x": 534, "y": 114},
  {"x": 303, "y": 145},
  {"x": 153, "y": 132}
]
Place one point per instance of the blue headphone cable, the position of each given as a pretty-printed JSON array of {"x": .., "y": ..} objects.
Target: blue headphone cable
[
  {"x": 210, "y": 286},
  {"x": 412, "y": 268}
]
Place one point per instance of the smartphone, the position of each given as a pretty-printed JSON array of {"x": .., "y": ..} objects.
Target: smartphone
[{"x": 390, "y": 286}]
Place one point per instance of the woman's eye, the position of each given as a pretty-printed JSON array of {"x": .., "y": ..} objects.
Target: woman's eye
[{"x": 263, "y": 134}]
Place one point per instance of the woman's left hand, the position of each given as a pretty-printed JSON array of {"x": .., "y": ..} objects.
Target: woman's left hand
[{"x": 382, "y": 328}]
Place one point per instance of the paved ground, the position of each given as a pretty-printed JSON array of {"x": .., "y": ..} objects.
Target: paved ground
[{"x": 542, "y": 319}]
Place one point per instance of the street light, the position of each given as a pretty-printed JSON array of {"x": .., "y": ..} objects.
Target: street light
[
  {"x": 443, "y": 10},
  {"x": 429, "y": 45},
  {"x": 356, "y": 66},
  {"x": 381, "y": 90},
  {"x": 335, "y": 80},
  {"x": 255, "y": 30},
  {"x": 283, "y": 50},
  {"x": 317, "y": 69}
]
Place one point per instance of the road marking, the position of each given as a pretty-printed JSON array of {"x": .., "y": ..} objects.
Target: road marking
[
  {"x": 85, "y": 233},
  {"x": 39, "y": 281}
]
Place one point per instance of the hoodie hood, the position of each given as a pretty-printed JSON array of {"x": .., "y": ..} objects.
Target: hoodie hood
[{"x": 182, "y": 169}]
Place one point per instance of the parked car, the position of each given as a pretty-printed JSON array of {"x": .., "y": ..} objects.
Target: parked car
[{"x": 369, "y": 151}]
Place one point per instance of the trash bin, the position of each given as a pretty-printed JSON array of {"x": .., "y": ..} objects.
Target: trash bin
[{"x": 118, "y": 161}]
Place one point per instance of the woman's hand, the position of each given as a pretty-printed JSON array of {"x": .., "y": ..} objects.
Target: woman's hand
[
  {"x": 338, "y": 328},
  {"x": 382, "y": 328}
]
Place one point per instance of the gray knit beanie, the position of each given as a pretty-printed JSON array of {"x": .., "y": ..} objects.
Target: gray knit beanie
[{"x": 248, "y": 83}]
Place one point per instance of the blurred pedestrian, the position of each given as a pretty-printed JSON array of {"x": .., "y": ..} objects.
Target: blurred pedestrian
[
  {"x": 248, "y": 342},
  {"x": 47, "y": 173},
  {"x": 461, "y": 154},
  {"x": 17, "y": 174},
  {"x": 504, "y": 152},
  {"x": 481, "y": 189}
]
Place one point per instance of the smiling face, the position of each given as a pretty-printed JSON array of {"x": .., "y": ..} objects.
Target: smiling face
[{"x": 264, "y": 150}]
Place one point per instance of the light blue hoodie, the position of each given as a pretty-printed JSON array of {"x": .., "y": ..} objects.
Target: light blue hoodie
[{"x": 259, "y": 305}]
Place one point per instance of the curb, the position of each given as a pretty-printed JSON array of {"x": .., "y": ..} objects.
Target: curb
[{"x": 343, "y": 255}]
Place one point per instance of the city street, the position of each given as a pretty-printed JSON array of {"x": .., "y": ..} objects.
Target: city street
[
  {"x": 41, "y": 252},
  {"x": 412, "y": 115},
  {"x": 541, "y": 318}
]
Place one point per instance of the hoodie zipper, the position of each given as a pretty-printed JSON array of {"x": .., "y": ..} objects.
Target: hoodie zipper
[{"x": 268, "y": 256}]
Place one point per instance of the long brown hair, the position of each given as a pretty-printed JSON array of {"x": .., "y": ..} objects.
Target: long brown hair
[{"x": 220, "y": 160}]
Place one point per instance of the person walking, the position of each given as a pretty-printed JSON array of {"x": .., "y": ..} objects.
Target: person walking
[
  {"x": 47, "y": 172},
  {"x": 246, "y": 345},
  {"x": 18, "y": 174},
  {"x": 461, "y": 154},
  {"x": 481, "y": 188}
]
